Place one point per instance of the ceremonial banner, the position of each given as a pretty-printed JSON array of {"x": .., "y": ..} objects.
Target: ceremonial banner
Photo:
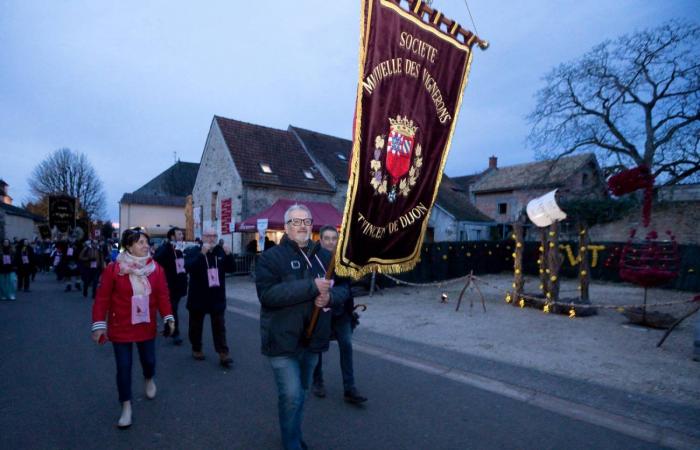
[
  {"x": 412, "y": 76},
  {"x": 62, "y": 213}
]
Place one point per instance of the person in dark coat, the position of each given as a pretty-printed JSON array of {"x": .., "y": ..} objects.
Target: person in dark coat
[
  {"x": 207, "y": 266},
  {"x": 25, "y": 260},
  {"x": 170, "y": 257},
  {"x": 289, "y": 279},
  {"x": 91, "y": 265},
  {"x": 68, "y": 265},
  {"x": 341, "y": 327}
]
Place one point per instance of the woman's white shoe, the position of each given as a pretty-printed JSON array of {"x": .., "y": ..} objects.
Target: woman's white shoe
[
  {"x": 125, "y": 419},
  {"x": 150, "y": 389}
]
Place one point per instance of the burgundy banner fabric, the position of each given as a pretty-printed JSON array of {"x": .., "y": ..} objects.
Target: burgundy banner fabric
[{"x": 410, "y": 90}]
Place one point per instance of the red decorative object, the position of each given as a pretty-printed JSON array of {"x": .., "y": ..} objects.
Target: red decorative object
[
  {"x": 631, "y": 180},
  {"x": 651, "y": 262}
]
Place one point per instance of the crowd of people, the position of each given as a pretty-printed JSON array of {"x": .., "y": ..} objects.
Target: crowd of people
[
  {"x": 291, "y": 283},
  {"x": 77, "y": 264},
  {"x": 131, "y": 281}
]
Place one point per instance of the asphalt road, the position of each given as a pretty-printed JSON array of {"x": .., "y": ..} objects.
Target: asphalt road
[{"x": 57, "y": 390}]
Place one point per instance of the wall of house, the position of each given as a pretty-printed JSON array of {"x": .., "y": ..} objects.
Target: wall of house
[
  {"x": 19, "y": 227},
  {"x": 443, "y": 225},
  {"x": 447, "y": 229},
  {"x": 151, "y": 217},
  {"x": 516, "y": 201},
  {"x": 681, "y": 218},
  {"x": 217, "y": 173}
]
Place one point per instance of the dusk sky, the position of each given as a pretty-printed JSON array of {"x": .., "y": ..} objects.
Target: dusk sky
[{"x": 131, "y": 83}]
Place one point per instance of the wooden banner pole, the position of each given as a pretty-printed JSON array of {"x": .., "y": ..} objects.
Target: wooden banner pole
[{"x": 314, "y": 316}]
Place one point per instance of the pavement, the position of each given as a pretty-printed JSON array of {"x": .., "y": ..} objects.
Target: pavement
[
  {"x": 57, "y": 387},
  {"x": 597, "y": 368}
]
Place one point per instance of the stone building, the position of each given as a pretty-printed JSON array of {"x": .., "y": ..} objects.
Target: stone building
[
  {"x": 502, "y": 193},
  {"x": 16, "y": 222},
  {"x": 245, "y": 168},
  {"x": 159, "y": 204}
]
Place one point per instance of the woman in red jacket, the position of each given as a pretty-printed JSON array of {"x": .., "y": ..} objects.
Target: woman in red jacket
[{"x": 130, "y": 291}]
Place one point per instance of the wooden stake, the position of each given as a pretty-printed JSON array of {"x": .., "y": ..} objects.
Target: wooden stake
[{"x": 584, "y": 274}]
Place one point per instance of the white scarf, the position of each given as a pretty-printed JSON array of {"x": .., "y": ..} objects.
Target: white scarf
[{"x": 138, "y": 268}]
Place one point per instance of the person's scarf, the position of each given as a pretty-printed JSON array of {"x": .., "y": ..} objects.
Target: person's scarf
[{"x": 138, "y": 269}]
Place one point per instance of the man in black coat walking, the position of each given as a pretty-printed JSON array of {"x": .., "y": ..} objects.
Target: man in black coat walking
[
  {"x": 290, "y": 282},
  {"x": 207, "y": 267},
  {"x": 170, "y": 257}
]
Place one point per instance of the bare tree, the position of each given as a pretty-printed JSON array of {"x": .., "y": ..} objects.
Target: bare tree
[
  {"x": 68, "y": 172},
  {"x": 632, "y": 101}
]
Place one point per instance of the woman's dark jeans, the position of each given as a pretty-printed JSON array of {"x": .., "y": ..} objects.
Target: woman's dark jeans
[{"x": 123, "y": 357}]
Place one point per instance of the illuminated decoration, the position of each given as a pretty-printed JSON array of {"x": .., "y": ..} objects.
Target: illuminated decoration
[
  {"x": 631, "y": 180},
  {"x": 572, "y": 313},
  {"x": 546, "y": 308}
]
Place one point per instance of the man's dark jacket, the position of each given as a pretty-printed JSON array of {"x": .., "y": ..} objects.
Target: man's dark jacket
[
  {"x": 177, "y": 282},
  {"x": 286, "y": 290},
  {"x": 200, "y": 296}
]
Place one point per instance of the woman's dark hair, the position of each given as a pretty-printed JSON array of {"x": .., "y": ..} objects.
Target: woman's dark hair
[
  {"x": 327, "y": 228},
  {"x": 171, "y": 233},
  {"x": 131, "y": 236}
]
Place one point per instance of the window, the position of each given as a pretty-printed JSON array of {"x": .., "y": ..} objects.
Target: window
[
  {"x": 308, "y": 175},
  {"x": 584, "y": 179},
  {"x": 265, "y": 167},
  {"x": 502, "y": 208},
  {"x": 214, "y": 198},
  {"x": 341, "y": 157}
]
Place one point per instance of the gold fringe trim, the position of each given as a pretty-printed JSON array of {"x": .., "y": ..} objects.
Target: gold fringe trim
[
  {"x": 343, "y": 266},
  {"x": 438, "y": 14}
]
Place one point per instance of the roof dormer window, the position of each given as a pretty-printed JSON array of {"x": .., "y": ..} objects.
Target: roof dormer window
[
  {"x": 308, "y": 175},
  {"x": 265, "y": 167},
  {"x": 341, "y": 157}
]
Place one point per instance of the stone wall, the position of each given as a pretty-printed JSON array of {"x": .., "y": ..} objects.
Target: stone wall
[
  {"x": 681, "y": 218},
  {"x": 156, "y": 219},
  {"x": 217, "y": 174}
]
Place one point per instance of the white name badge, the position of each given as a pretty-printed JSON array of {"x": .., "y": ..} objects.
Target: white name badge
[
  {"x": 93, "y": 264},
  {"x": 213, "y": 277},
  {"x": 140, "y": 312},
  {"x": 6, "y": 259},
  {"x": 25, "y": 259},
  {"x": 70, "y": 252},
  {"x": 180, "y": 265}
]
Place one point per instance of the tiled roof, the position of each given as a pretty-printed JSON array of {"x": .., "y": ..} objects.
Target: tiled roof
[
  {"x": 541, "y": 174},
  {"x": 251, "y": 145},
  {"x": 467, "y": 180},
  {"x": 177, "y": 180},
  {"x": 154, "y": 200},
  {"x": 21, "y": 212},
  {"x": 453, "y": 198},
  {"x": 328, "y": 150}
]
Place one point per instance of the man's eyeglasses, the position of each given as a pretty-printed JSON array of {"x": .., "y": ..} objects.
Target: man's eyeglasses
[{"x": 299, "y": 222}]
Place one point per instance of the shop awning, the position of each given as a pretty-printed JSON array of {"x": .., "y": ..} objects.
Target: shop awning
[{"x": 323, "y": 214}]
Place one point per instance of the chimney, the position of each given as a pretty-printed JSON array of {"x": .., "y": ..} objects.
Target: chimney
[{"x": 493, "y": 162}]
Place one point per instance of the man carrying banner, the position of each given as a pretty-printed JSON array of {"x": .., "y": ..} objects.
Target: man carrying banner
[{"x": 290, "y": 281}]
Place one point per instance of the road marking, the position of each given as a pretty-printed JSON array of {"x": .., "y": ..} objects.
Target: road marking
[{"x": 621, "y": 424}]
